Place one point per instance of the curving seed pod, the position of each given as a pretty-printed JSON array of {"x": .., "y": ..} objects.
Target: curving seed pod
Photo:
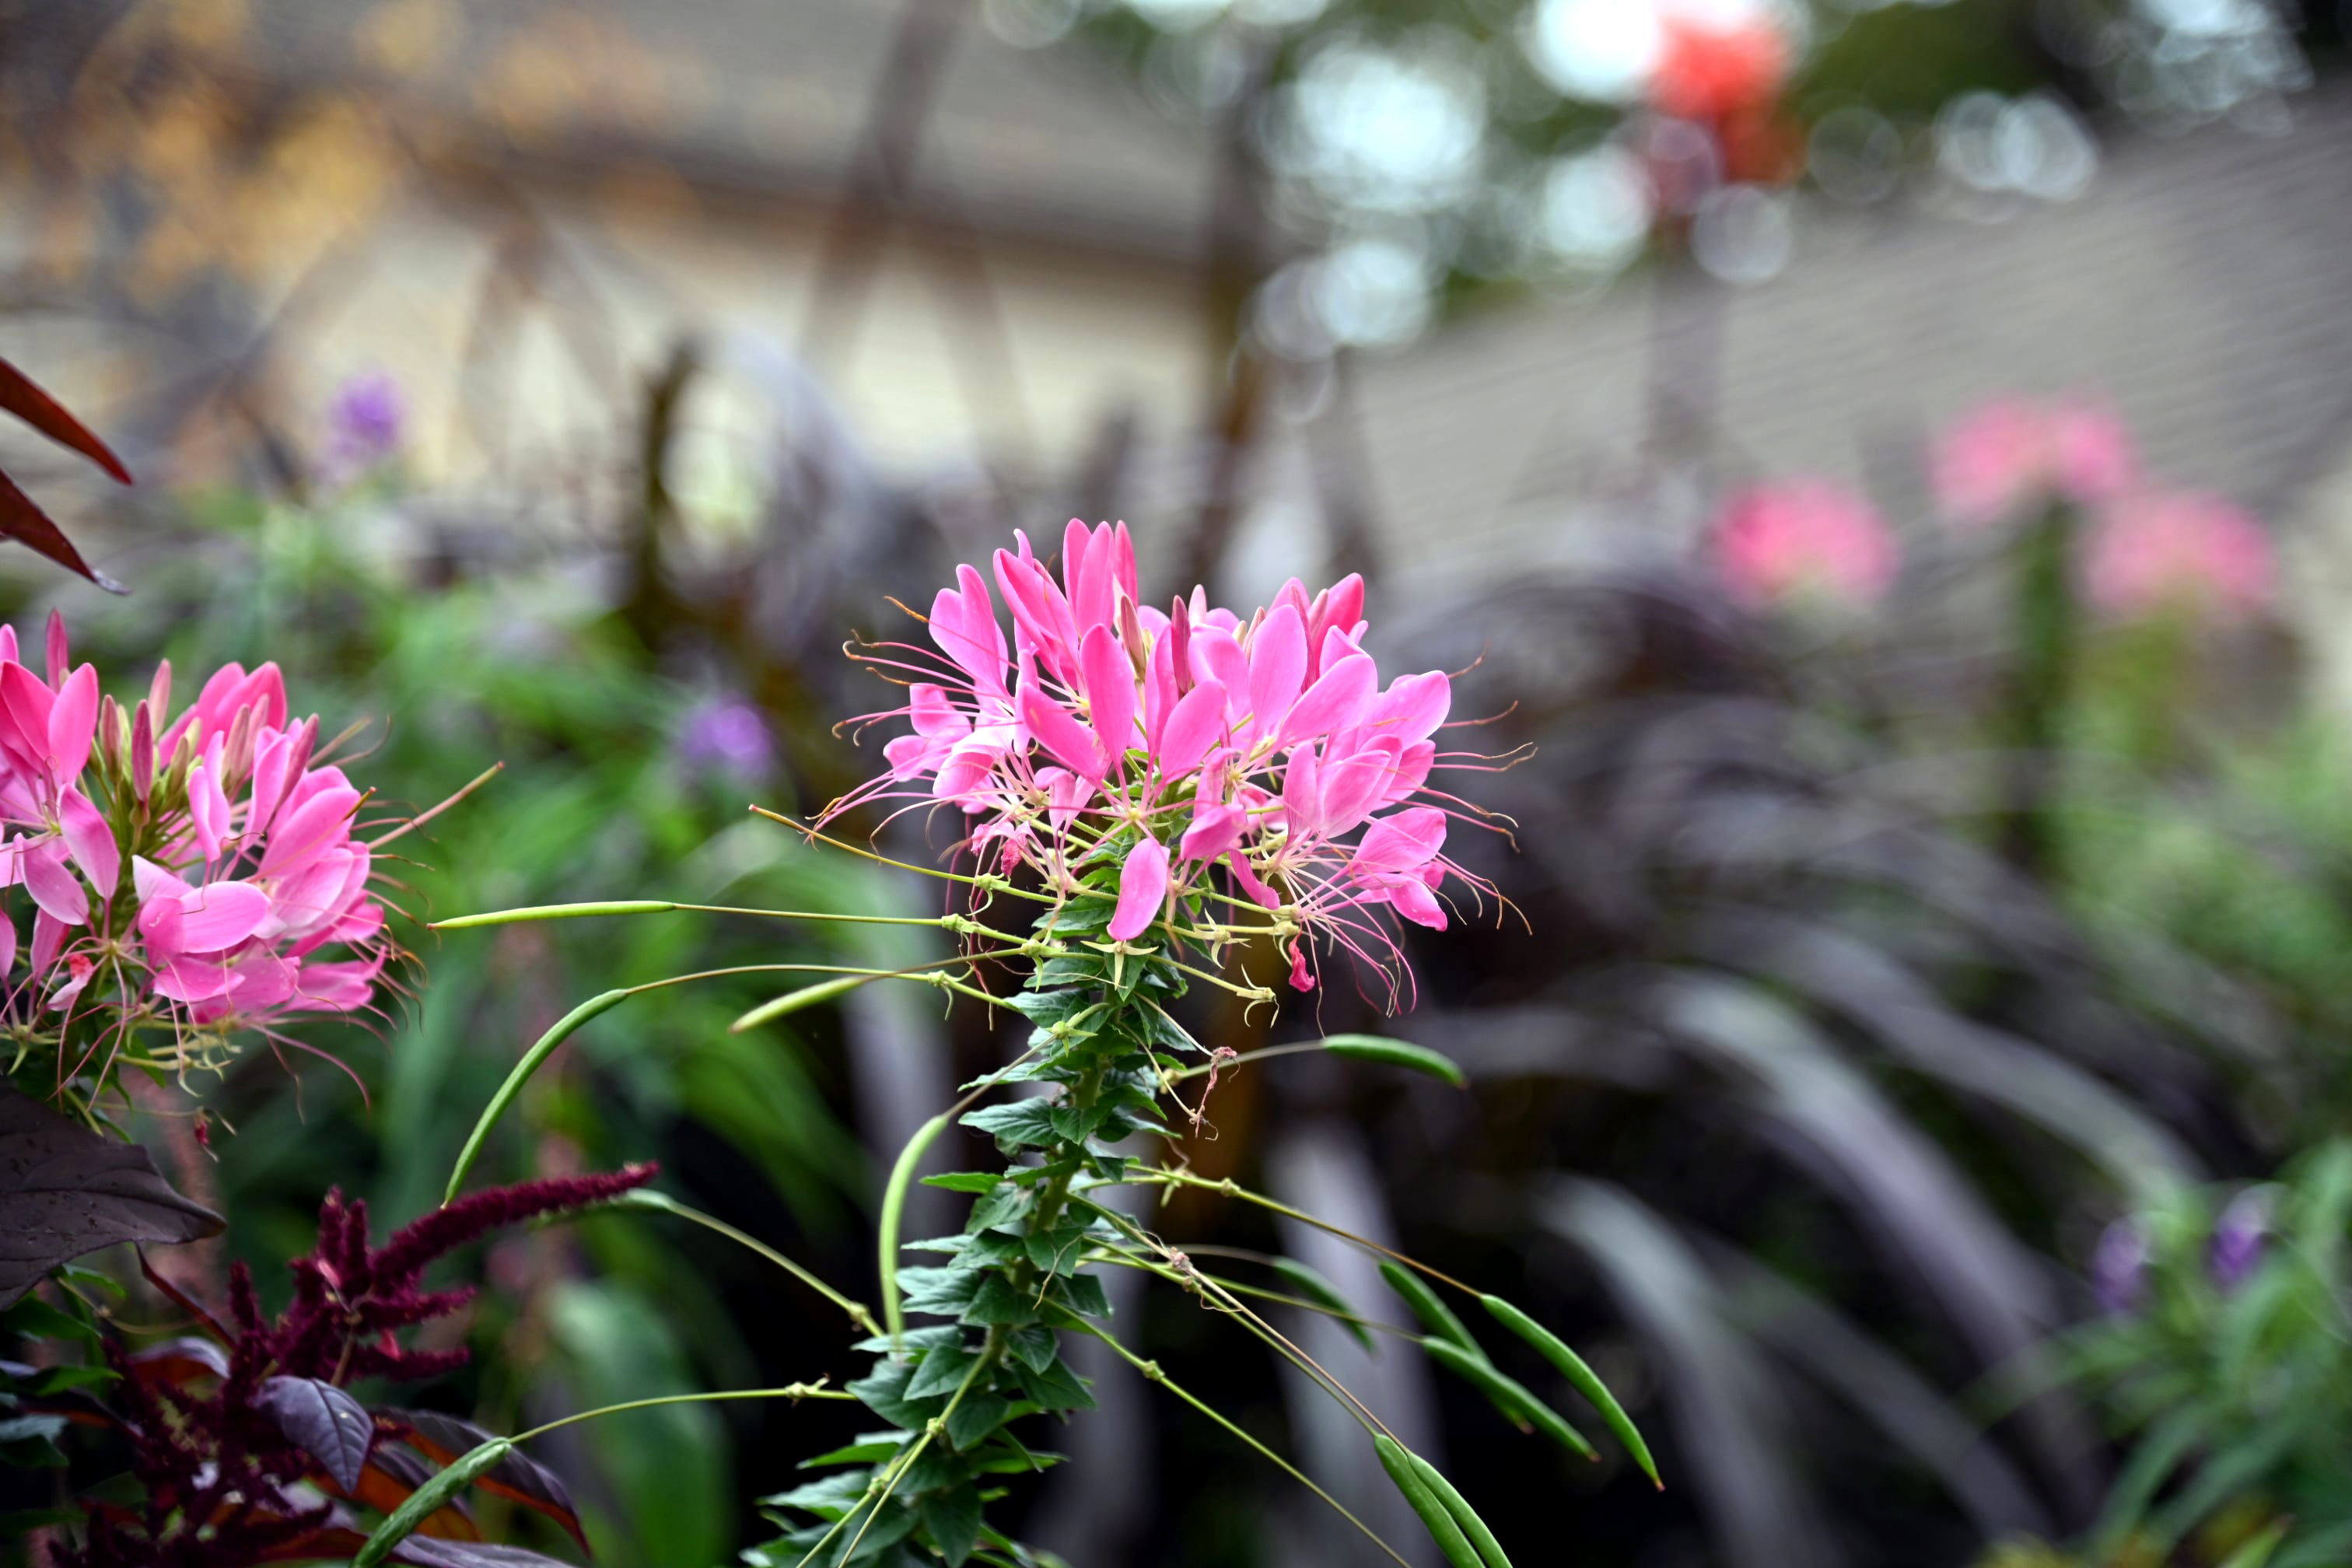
[
  {"x": 1434, "y": 1313},
  {"x": 1398, "y": 1054},
  {"x": 430, "y": 1499},
  {"x": 1464, "y": 1514},
  {"x": 1508, "y": 1394},
  {"x": 1323, "y": 1293},
  {"x": 1433, "y": 1515},
  {"x": 1587, "y": 1383}
]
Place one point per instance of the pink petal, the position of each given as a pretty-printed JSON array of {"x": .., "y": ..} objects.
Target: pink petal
[
  {"x": 1198, "y": 724},
  {"x": 1246, "y": 879},
  {"x": 1217, "y": 657},
  {"x": 208, "y": 804},
  {"x": 152, "y": 882},
  {"x": 8, "y": 948},
  {"x": 1302, "y": 792},
  {"x": 218, "y": 915},
  {"x": 25, "y": 705},
  {"x": 1354, "y": 786},
  {"x": 1277, "y": 668},
  {"x": 73, "y": 724},
  {"x": 180, "y": 978},
  {"x": 91, "y": 839},
  {"x": 337, "y": 988},
  {"x": 49, "y": 935},
  {"x": 1414, "y": 706},
  {"x": 59, "y": 660},
  {"x": 1142, "y": 888},
  {"x": 1055, "y": 729},
  {"x": 318, "y": 822},
  {"x": 1214, "y": 830},
  {"x": 1110, "y": 690},
  {"x": 1417, "y": 904},
  {"x": 934, "y": 715},
  {"x": 56, "y": 890},
  {"x": 1335, "y": 702}
]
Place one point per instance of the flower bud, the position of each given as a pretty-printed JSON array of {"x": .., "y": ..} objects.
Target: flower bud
[
  {"x": 2238, "y": 1237},
  {"x": 109, "y": 734},
  {"x": 58, "y": 661},
  {"x": 142, "y": 748},
  {"x": 237, "y": 756},
  {"x": 159, "y": 695},
  {"x": 1179, "y": 629},
  {"x": 1130, "y": 633}
]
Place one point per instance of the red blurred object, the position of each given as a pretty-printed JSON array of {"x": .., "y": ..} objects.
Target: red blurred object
[{"x": 1727, "y": 78}]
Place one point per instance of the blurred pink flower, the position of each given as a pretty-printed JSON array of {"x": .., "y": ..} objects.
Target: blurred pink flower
[
  {"x": 2013, "y": 452},
  {"x": 2183, "y": 550},
  {"x": 1175, "y": 743},
  {"x": 1804, "y": 537}
]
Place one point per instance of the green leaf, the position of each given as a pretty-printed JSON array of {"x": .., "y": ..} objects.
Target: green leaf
[
  {"x": 2257, "y": 1552},
  {"x": 428, "y": 1500},
  {"x": 998, "y": 1302},
  {"x": 1018, "y": 1123},
  {"x": 1073, "y": 1123},
  {"x": 1459, "y": 1507},
  {"x": 36, "y": 1318},
  {"x": 1308, "y": 1283},
  {"x": 871, "y": 1452},
  {"x": 1006, "y": 1204},
  {"x": 1440, "y": 1523},
  {"x": 942, "y": 1292},
  {"x": 942, "y": 1371},
  {"x": 1571, "y": 1366},
  {"x": 974, "y": 1182},
  {"x": 1397, "y": 1054},
  {"x": 49, "y": 1380},
  {"x": 1058, "y": 1251},
  {"x": 1084, "y": 1293},
  {"x": 1509, "y": 1395},
  {"x": 1056, "y": 1387},
  {"x": 30, "y": 1442},
  {"x": 1034, "y": 1348},
  {"x": 1434, "y": 1313},
  {"x": 976, "y": 1418},
  {"x": 952, "y": 1519}
]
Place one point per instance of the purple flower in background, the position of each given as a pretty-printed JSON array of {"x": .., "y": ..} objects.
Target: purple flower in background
[
  {"x": 365, "y": 423},
  {"x": 2237, "y": 1238},
  {"x": 2119, "y": 1268},
  {"x": 727, "y": 735}
]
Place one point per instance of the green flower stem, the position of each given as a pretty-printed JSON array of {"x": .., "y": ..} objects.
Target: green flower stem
[
  {"x": 984, "y": 1362},
  {"x": 795, "y": 1391},
  {"x": 645, "y": 1198},
  {"x": 1264, "y": 1053},
  {"x": 1128, "y": 1260},
  {"x": 1233, "y": 1189},
  {"x": 1152, "y": 1374}
]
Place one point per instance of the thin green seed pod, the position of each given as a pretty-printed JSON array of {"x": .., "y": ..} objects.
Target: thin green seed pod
[
  {"x": 1464, "y": 1514},
  {"x": 1398, "y": 1054},
  {"x": 529, "y": 1064},
  {"x": 1322, "y": 1292},
  {"x": 1508, "y": 1394},
  {"x": 555, "y": 913},
  {"x": 1571, "y": 1365},
  {"x": 428, "y": 1500},
  {"x": 1434, "y": 1315},
  {"x": 1442, "y": 1528},
  {"x": 793, "y": 1001},
  {"x": 893, "y": 1206}
]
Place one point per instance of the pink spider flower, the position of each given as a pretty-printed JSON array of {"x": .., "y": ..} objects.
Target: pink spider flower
[
  {"x": 205, "y": 858},
  {"x": 2191, "y": 551},
  {"x": 1203, "y": 751},
  {"x": 1803, "y": 539},
  {"x": 2011, "y": 453}
]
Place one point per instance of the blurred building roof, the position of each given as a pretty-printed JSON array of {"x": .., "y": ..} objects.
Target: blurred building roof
[
  {"x": 2200, "y": 284},
  {"x": 767, "y": 99}
]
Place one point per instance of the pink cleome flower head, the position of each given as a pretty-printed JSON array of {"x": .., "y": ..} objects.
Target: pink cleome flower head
[
  {"x": 2013, "y": 452},
  {"x": 1803, "y": 538},
  {"x": 1190, "y": 746},
  {"x": 2191, "y": 552},
  {"x": 201, "y": 867}
]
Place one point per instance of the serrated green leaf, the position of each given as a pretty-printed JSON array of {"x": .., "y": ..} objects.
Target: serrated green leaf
[
  {"x": 1017, "y": 1123},
  {"x": 1083, "y": 1293},
  {"x": 1003, "y": 1206},
  {"x": 1056, "y": 1387},
  {"x": 860, "y": 1453},
  {"x": 999, "y": 1303},
  {"x": 941, "y": 1371},
  {"x": 942, "y": 1292},
  {"x": 1034, "y": 1348},
  {"x": 952, "y": 1519}
]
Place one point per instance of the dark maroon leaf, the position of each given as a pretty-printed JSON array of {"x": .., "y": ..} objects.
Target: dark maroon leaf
[
  {"x": 177, "y": 1361},
  {"x": 181, "y": 1299},
  {"x": 66, "y": 1190},
  {"x": 519, "y": 1477},
  {"x": 393, "y": 1472},
  {"x": 27, "y": 402},
  {"x": 431, "y": 1553},
  {"x": 323, "y": 1422},
  {"x": 21, "y": 521}
]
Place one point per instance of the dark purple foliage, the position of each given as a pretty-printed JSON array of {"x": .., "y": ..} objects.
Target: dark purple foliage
[
  {"x": 233, "y": 1458},
  {"x": 2237, "y": 1238}
]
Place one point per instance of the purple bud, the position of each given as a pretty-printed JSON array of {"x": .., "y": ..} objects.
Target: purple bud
[
  {"x": 727, "y": 735},
  {"x": 2238, "y": 1237},
  {"x": 2119, "y": 1268}
]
